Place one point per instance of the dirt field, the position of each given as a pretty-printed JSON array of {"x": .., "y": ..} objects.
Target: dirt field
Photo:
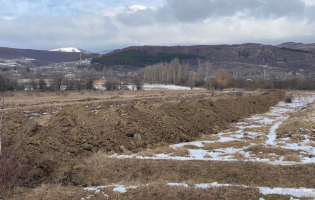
[{"x": 95, "y": 142}]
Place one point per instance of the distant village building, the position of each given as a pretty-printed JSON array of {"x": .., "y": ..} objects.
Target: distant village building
[{"x": 69, "y": 76}]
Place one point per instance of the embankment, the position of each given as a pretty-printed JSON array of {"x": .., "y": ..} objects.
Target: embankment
[{"x": 49, "y": 151}]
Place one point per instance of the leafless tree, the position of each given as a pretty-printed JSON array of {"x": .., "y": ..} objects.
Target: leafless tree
[
  {"x": 89, "y": 80},
  {"x": 204, "y": 69},
  {"x": 109, "y": 85},
  {"x": 111, "y": 78},
  {"x": 167, "y": 73},
  {"x": 33, "y": 84},
  {"x": 78, "y": 85},
  {"x": 8, "y": 82},
  {"x": 137, "y": 82},
  {"x": 42, "y": 84},
  {"x": 56, "y": 80},
  {"x": 69, "y": 83}
]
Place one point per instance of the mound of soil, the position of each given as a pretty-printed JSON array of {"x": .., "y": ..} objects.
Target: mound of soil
[{"x": 50, "y": 151}]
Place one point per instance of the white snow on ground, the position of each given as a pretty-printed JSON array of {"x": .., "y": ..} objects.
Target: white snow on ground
[
  {"x": 156, "y": 87},
  {"x": 273, "y": 118},
  {"x": 117, "y": 188},
  {"x": 168, "y": 87},
  {"x": 272, "y": 134},
  {"x": 294, "y": 192}
]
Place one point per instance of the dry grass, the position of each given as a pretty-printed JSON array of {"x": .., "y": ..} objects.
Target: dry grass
[
  {"x": 161, "y": 191},
  {"x": 221, "y": 145},
  {"x": 292, "y": 127},
  {"x": 190, "y": 183},
  {"x": 211, "y": 137},
  {"x": 165, "y": 149},
  {"x": 146, "y": 153},
  {"x": 237, "y": 155},
  {"x": 268, "y": 150},
  {"x": 101, "y": 170},
  {"x": 153, "y": 191},
  {"x": 227, "y": 134},
  {"x": 207, "y": 156},
  {"x": 233, "y": 128},
  {"x": 51, "y": 192},
  {"x": 26, "y": 99},
  {"x": 297, "y": 138},
  {"x": 311, "y": 143},
  {"x": 182, "y": 151},
  {"x": 304, "y": 112},
  {"x": 293, "y": 157},
  {"x": 191, "y": 147},
  {"x": 263, "y": 129},
  {"x": 267, "y": 156}
]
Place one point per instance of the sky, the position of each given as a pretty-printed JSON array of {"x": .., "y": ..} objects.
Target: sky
[{"x": 98, "y": 25}]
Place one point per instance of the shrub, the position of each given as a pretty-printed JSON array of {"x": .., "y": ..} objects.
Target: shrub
[
  {"x": 293, "y": 157},
  {"x": 288, "y": 98},
  {"x": 239, "y": 94},
  {"x": 182, "y": 151}
]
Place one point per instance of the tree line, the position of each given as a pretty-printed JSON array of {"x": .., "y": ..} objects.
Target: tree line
[
  {"x": 167, "y": 73},
  {"x": 179, "y": 74},
  {"x": 56, "y": 82},
  {"x": 136, "y": 57}
]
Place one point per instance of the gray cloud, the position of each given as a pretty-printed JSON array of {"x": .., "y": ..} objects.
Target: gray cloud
[
  {"x": 190, "y": 11},
  {"x": 176, "y": 22}
]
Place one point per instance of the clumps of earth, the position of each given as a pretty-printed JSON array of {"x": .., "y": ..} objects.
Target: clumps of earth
[{"x": 50, "y": 151}]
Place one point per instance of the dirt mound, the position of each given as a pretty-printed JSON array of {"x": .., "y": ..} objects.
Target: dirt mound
[{"x": 51, "y": 151}]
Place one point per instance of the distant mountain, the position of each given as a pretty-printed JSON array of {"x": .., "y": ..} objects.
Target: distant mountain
[
  {"x": 70, "y": 49},
  {"x": 220, "y": 55},
  {"x": 40, "y": 57},
  {"x": 301, "y": 46}
]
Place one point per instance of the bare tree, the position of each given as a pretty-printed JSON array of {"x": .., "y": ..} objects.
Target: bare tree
[
  {"x": 69, "y": 83},
  {"x": 8, "y": 82},
  {"x": 137, "y": 82},
  {"x": 78, "y": 85},
  {"x": 42, "y": 84},
  {"x": 56, "y": 81},
  {"x": 33, "y": 84},
  {"x": 3, "y": 84},
  {"x": 109, "y": 85},
  {"x": 173, "y": 73},
  {"x": 111, "y": 77},
  {"x": 89, "y": 80}
]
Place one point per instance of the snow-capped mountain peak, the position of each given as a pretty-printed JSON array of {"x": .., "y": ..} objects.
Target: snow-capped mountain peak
[{"x": 70, "y": 49}]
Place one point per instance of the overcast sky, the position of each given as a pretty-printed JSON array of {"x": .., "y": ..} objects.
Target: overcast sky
[{"x": 98, "y": 25}]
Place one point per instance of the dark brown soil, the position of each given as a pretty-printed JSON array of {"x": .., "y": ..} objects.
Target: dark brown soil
[{"x": 49, "y": 151}]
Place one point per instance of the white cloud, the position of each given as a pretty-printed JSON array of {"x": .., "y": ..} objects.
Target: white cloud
[{"x": 309, "y": 2}]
